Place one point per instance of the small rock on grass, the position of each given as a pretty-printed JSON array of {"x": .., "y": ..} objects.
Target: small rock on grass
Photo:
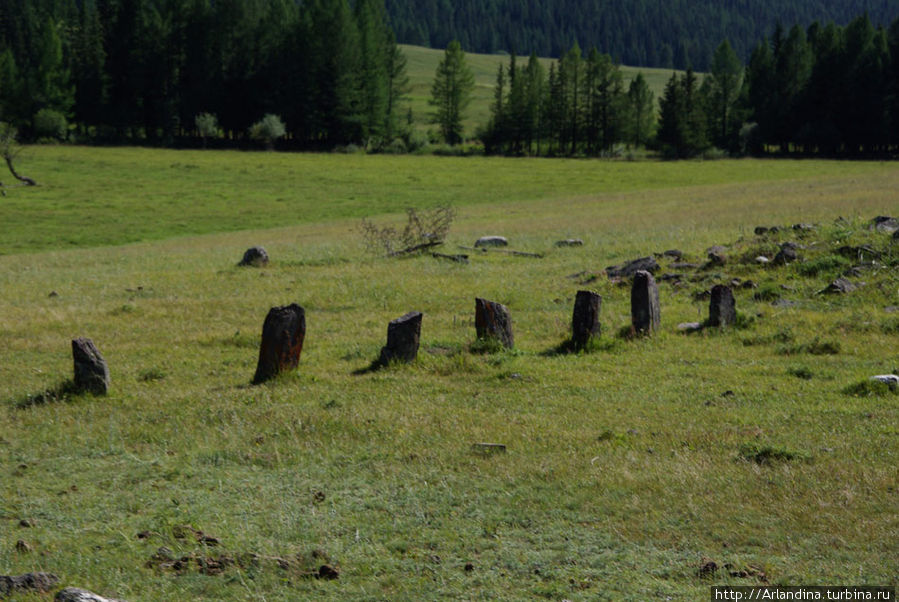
[
  {"x": 492, "y": 241},
  {"x": 891, "y": 380},
  {"x": 255, "y": 257},
  {"x": 74, "y": 594}
]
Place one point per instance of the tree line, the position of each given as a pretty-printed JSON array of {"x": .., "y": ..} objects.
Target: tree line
[
  {"x": 155, "y": 70},
  {"x": 827, "y": 90},
  {"x": 673, "y": 34}
]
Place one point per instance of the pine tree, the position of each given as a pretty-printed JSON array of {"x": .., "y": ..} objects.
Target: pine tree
[
  {"x": 726, "y": 81},
  {"x": 640, "y": 102},
  {"x": 451, "y": 93}
]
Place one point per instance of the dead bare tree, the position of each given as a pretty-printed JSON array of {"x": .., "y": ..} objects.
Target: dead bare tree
[
  {"x": 9, "y": 150},
  {"x": 423, "y": 230}
]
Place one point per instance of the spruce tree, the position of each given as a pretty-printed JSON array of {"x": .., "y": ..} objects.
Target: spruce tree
[{"x": 451, "y": 93}]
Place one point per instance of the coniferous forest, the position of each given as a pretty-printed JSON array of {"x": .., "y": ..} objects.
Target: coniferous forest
[{"x": 325, "y": 73}]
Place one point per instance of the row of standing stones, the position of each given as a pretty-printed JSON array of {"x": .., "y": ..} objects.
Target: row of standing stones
[{"x": 284, "y": 332}]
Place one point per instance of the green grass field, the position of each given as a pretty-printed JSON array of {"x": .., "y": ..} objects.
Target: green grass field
[
  {"x": 625, "y": 467},
  {"x": 422, "y": 64}
]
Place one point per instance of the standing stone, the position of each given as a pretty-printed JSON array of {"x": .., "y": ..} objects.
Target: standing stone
[
  {"x": 492, "y": 321},
  {"x": 91, "y": 371},
  {"x": 722, "y": 307},
  {"x": 645, "y": 310},
  {"x": 282, "y": 341},
  {"x": 403, "y": 335},
  {"x": 254, "y": 256},
  {"x": 585, "y": 321}
]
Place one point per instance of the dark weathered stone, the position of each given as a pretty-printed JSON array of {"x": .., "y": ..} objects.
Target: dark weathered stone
[
  {"x": 585, "y": 319},
  {"x": 717, "y": 256},
  {"x": 29, "y": 582},
  {"x": 403, "y": 335},
  {"x": 883, "y": 223},
  {"x": 722, "y": 307},
  {"x": 254, "y": 256},
  {"x": 673, "y": 253},
  {"x": 74, "y": 594},
  {"x": 492, "y": 321},
  {"x": 91, "y": 371},
  {"x": 626, "y": 270},
  {"x": 645, "y": 309},
  {"x": 570, "y": 242},
  {"x": 282, "y": 341},
  {"x": 803, "y": 227},
  {"x": 492, "y": 241},
  {"x": 761, "y": 230},
  {"x": 787, "y": 254},
  {"x": 838, "y": 286}
]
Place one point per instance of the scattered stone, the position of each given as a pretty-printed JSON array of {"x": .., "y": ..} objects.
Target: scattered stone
[
  {"x": 492, "y": 321},
  {"x": 716, "y": 255},
  {"x": 26, "y": 523},
  {"x": 882, "y": 223},
  {"x": 749, "y": 284},
  {"x": 570, "y": 242},
  {"x": 760, "y": 230},
  {"x": 585, "y": 319},
  {"x": 74, "y": 594},
  {"x": 492, "y": 241},
  {"x": 803, "y": 227},
  {"x": 722, "y": 307},
  {"x": 674, "y": 277},
  {"x": 255, "y": 257},
  {"x": 457, "y": 258},
  {"x": 645, "y": 310},
  {"x": 838, "y": 286},
  {"x": 91, "y": 371},
  {"x": 23, "y": 547},
  {"x": 702, "y": 295},
  {"x": 403, "y": 336},
  {"x": 688, "y": 327},
  {"x": 282, "y": 342},
  {"x": 891, "y": 380},
  {"x": 626, "y": 270},
  {"x": 328, "y": 572},
  {"x": 53, "y": 294},
  {"x": 854, "y": 272},
  {"x": 469, "y": 567},
  {"x": 787, "y": 254},
  {"x": 673, "y": 253},
  {"x": 488, "y": 448},
  {"x": 708, "y": 567},
  {"x": 29, "y": 582},
  {"x": 762, "y": 260}
]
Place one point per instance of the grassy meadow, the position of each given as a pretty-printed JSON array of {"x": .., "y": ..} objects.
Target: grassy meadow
[{"x": 625, "y": 467}]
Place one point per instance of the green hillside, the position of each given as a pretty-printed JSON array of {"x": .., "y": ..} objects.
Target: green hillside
[{"x": 422, "y": 63}]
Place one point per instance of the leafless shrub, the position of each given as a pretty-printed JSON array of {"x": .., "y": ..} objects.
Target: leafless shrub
[{"x": 424, "y": 229}]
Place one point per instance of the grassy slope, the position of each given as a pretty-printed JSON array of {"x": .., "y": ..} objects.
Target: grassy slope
[
  {"x": 622, "y": 470},
  {"x": 422, "y": 63},
  {"x": 101, "y": 196}
]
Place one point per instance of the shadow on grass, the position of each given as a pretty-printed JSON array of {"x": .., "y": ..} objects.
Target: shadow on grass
[
  {"x": 594, "y": 345},
  {"x": 59, "y": 393}
]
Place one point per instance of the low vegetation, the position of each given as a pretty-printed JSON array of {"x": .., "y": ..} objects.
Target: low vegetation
[{"x": 623, "y": 466}]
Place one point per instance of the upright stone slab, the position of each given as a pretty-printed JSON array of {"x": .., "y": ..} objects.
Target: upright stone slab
[
  {"x": 722, "y": 307},
  {"x": 645, "y": 310},
  {"x": 492, "y": 321},
  {"x": 585, "y": 319},
  {"x": 91, "y": 371},
  {"x": 282, "y": 341},
  {"x": 403, "y": 336}
]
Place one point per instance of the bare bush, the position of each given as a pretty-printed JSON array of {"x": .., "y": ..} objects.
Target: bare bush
[{"x": 424, "y": 229}]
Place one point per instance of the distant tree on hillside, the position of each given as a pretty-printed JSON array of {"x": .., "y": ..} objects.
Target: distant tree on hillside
[{"x": 451, "y": 93}]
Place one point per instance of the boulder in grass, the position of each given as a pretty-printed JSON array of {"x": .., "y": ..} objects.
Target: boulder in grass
[
  {"x": 840, "y": 286},
  {"x": 491, "y": 241},
  {"x": 627, "y": 270},
  {"x": 29, "y": 582},
  {"x": 256, "y": 257},
  {"x": 91, "y": 371},
  {"x": 883, "y": 223},
  {"x": 75, "y": 594},
  {"x": 891, "y": 380}
]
